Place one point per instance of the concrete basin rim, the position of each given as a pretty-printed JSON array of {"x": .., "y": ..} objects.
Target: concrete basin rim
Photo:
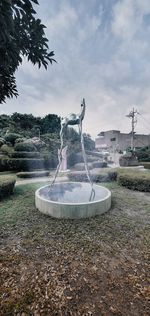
[{"x": 65, "y": 203}]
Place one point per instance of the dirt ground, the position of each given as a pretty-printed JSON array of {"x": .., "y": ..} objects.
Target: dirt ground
[{"x": 96, "y": 266}]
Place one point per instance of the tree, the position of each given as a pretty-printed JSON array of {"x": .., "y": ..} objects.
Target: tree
[
  {"x": 88, "y": 142},
  {"x": 50, "y": 124},
  {"x": 21, "y": 34}
]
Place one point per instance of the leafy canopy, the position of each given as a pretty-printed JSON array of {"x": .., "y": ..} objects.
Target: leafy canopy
[{"x": 21, "y": 34}]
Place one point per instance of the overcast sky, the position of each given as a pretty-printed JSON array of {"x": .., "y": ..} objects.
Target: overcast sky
[{"x": 103, "y": 53}]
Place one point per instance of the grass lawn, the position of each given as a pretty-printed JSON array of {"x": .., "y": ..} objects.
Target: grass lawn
[{"x": 96, "y": 266}]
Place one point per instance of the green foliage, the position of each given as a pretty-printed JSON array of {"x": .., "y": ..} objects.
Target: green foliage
[
  {"x": 21, "y": 164},
  {"x": 97, "y": 177},
  {"x": 145, "y": 164},
  {"x": 7, "y": 184},
  {"x": 21, "y": 34},
  {"x": 89, "y": 144},
  {"x": 6, "y": 149},
  {"x": 33, "y": 174},
  {"x": 143, "y": 154},
  {"x": 24, "y": 154},
  {"x": 99, "y": 164},
  {"x": 25, "y": 121},
  {"x": 29, "y": 125},
  {"x": 2, "y": 141},
  {"x": 25, "y": 147},
  {"x": 11, "y": 137},
  {"x": 4, "y": 121},
  {"x": 50, "y": 124},
  {"x": 139, "y": 181},
  {"x": 4, "y": 164},
  {"x": 50, "y": 160}
]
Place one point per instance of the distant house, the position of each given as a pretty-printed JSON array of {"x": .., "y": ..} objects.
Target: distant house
[{"x": 120, "y": 141}]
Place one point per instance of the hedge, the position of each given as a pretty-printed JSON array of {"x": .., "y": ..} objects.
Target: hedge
[
  {"x": 138, "y": 180},
  {"x": 6, "y": 149},
  {"x": 105, "y": 176},
  {"x": 25, "y": 147},
  {"x": 21, "y": 164},
  {"x": 7, "y": 184},
  {"x": 145, "y": 164},
  {"x": 24, "y": 154},
  {"x": 81, "y": 166},
  {"x": 99, "y": 164},
  {"x": 33, "y": 174},
  {"x": 11, "y": 137},
  {"x": 145, "y": 159},
  {"x": 50, "y": 160}
]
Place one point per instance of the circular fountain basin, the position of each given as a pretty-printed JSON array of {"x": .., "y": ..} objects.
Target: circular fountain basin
[{"x": 72, "y": 200}]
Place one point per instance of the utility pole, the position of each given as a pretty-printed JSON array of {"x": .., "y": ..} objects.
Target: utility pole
[{"x": 133, "y": 117}]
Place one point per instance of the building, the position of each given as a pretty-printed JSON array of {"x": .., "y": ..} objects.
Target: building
[{"x": 115, "y": 140}]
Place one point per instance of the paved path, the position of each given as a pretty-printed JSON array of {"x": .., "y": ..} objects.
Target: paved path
[{"x": 41, "y": 179}]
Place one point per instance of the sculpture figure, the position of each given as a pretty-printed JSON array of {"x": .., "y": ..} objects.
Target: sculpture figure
[
  {"x": 70, "y": 120},
  {"x": 63, "y": 166}
]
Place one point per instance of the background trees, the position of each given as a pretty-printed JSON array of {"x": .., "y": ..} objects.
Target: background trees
[{"x": 21, "y": 34}]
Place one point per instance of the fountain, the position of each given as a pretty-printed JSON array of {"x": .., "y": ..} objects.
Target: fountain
[{"x": 72, "y": 199}]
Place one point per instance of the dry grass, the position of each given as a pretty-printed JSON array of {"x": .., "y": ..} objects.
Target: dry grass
[{"x": 96, "y": 266}]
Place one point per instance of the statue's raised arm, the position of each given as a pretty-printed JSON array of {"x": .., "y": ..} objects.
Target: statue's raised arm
[{"x": 82, "y": 110}]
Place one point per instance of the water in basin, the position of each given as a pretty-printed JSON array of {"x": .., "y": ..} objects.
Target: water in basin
[{"x": 73, "y": 192}]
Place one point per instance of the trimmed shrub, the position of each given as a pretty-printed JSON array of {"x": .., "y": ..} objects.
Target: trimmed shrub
[
  {"x": 20, "y": 140},
  {"x": 21, "y": 164},
  {"x": 7, "y": 184},
  {"x": 106, "y": 176},
  {"x": 25, "y": 147},
  {"x": 11, "y": 137},
  {"x": 2, "y": 141},
  {"x": 6, "y": 149},
  {"x": 145, "y": 164},
  {"x": 147, "y": 159},
  {"x": 3, "y": 164},
  {"x": 25, "y": 164},
  {"x": 94, "y": 154},
  {"x": 50, "y": 160},
  {"x": 81, "y": 166},
  {"x": 24, "y": 154},
  {"x": 33, "y": 174},
  {"x": 99, "y": 164},
  {"x": 139, "y": 181}
]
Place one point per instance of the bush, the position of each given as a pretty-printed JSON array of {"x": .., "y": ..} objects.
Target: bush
[
  {"x": 105, "y": 176},
  {"x": 6, "y": 149},
  {"x": 33, "y": 174},
  {"x": 25, "y": 147},
  {"x": 2, "y": 141},
  {"x": 50, "y": 160},
  {"x": 7, "y": 184},
  {"x": 25, "y": 164},
  {"x": 146, "y": 165},
  {"x": 81, "y": 166},
  {"x": 20, "y": 140},
  {"x": 3, "y": 164},
  {"x": 21, "y": 164},
  {"x": 11, "y": 137},
  {"x": 99, "y": 164},
  {"x": 138, "y": 180},
  {"x": 24, "y": 154}
]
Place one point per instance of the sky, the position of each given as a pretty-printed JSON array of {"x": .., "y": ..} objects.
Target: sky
[{"x": 102, "y": 48}]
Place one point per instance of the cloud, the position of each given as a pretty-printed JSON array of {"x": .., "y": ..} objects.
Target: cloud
[{"x": 103, "y": 50}]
